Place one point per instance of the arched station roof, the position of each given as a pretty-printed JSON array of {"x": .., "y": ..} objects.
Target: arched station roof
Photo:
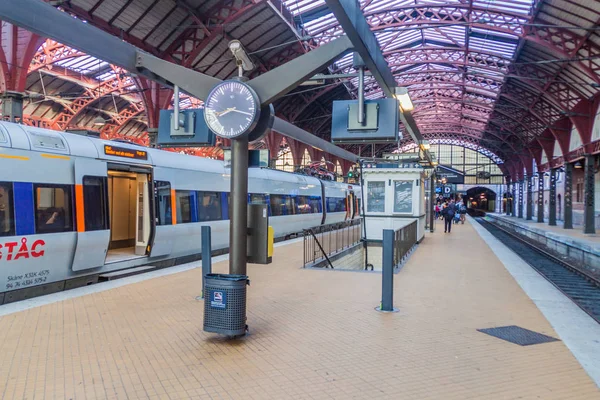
[{"x": 515, "y": 77}]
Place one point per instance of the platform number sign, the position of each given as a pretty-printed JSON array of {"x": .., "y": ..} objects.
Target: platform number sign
[{"x": 218, "y": 299}]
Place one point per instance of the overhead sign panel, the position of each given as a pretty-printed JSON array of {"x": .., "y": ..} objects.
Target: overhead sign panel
[
  {"x": 380, "y": 122},
  {"x": 193, "y": 131},
  {"x": 116, "y": 151}
]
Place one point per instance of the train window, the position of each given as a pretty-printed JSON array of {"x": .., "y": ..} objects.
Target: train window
[
  {"x": 376, "y": 196},
  {"x": 209, "y": 206},
  {"x": 315, "y": 202},
  {"x": 304, "y": 205},
  {"x": 53, "y": 208},
  {"x": 7, "y": 222},
  {"x": 282, "y": 205},
  {"x": 163, "y": 202},
  {"x": 336, "y": 204},
  {"x": 94, "y": 200},
  {"x": 258, "y": 198},
  {"x": 184, "y": 206}
]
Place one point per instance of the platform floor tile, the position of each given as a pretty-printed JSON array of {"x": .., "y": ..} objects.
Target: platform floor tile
[{"x": 313, "y": 335}]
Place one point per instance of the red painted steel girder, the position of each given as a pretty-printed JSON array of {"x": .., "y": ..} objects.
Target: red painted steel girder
[
  {"x": 119, "y": 83},
  {"x": 192, "y": 41},
  {"x": 17, "y": 48},
  {"x": 559, "y": 40},
  {"x": 51, "y": 52}
]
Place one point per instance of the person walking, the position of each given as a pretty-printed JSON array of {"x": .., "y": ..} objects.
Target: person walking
[{"x": 448, "y": 214}]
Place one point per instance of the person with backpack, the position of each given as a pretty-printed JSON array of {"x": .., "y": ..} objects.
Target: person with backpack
[
  {"x": 463, "y": 213},
  {"x": 448, "y": 213}
]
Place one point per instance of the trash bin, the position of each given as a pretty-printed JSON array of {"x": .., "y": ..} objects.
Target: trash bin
[{"x": 225, "y": 304}]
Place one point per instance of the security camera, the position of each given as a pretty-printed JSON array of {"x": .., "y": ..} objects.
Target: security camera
[{"x": 240, "y": 55}]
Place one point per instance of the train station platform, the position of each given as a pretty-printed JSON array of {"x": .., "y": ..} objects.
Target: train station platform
[
  {"x": 582, "y": 248},
  {"x": 314, "y": 334}
]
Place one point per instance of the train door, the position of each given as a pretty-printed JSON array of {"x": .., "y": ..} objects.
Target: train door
[
  {"x": 352, "y": 205},
  {"x": 93, "y": 232},
  {"x": 129, "y": 212}
]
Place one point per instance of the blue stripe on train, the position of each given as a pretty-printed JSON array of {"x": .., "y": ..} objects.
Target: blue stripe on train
[{"x": 25, "y": 223}]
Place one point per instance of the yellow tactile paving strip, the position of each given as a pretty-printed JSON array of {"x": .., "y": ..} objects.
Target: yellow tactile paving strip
[{"x": 314, "y": 335}]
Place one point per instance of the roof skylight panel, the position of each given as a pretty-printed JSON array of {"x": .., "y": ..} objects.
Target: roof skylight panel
[
  {"x": 506, "y": 50},
  {"x": 519, "y": 6},
  {"x": 301, "y": 6},
  {"x": 392, "y": 41},
  {"x": 320, "y": 24},
  {"x": 382, "y": 5},
  {"x": 453, "y": 35}
]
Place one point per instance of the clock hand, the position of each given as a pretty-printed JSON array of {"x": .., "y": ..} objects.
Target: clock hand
[{"x": 242, "y": 112}]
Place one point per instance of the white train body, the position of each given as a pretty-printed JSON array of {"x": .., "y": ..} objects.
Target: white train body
[{"x": 73, "y": 207}]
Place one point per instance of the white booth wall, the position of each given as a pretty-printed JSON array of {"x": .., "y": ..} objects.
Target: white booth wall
[{"x": 394, "y": 197}]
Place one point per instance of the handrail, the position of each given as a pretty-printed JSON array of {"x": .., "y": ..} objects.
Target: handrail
[
  {"x": 322, "y": 241},
  {"x": 404, "y": 240}
]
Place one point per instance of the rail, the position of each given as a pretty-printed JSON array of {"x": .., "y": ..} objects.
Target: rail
[
  {"x": 404, "y": 240},
  {"x": 323, "y": 241}
]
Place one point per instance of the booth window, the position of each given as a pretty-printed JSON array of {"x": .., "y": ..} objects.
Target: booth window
[
  {"x": 53, "y": 208},
  {"x": 7, "y": 212},
  {"x": 403, "y": 197},
  {"x": 163, "y": 202},
  {"x": 376, "y": 196}
]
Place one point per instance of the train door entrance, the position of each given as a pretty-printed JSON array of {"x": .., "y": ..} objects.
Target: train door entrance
[
  {"x": 93, "y": 233},
  {"x": 351, "y": 211},
  {"x": 129, "y": 213}
]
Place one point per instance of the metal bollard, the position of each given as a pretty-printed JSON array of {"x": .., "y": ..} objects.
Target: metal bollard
[
  {"x": 206, "y": 255},
  {"x": 387, "y": 275}
]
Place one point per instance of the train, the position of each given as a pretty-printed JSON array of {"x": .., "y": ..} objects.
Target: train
[{"x": 74, "y": 207}]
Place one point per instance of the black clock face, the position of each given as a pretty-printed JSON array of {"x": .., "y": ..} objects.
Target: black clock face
[{"x": 232, "y": 109}]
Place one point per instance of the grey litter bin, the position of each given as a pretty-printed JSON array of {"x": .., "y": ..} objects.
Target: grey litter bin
[{"x": 225, "y": 304}]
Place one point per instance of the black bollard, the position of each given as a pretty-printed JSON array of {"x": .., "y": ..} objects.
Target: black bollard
[{"x": 206, "y": 255}]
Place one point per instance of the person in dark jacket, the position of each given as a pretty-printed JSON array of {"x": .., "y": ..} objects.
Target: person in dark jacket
[{"x": 448, "y": 214}]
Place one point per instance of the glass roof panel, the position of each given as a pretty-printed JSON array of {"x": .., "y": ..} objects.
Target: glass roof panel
[
  {"x": 301, "y": 6},
  {"x": 83, "y": 64}
]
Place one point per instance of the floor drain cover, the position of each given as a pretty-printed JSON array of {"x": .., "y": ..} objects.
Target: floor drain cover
[{"x": 518, "y": 335}]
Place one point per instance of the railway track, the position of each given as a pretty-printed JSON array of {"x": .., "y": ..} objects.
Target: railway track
[{"x": 578, "y": 285}]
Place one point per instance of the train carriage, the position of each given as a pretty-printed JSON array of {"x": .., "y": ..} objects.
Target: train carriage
[{"x": 74, "y": 207}]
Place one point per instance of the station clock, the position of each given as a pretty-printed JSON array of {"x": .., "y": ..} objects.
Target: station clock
[{"x": 232, "y": 109}]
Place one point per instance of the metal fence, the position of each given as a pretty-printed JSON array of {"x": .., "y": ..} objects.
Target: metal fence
[
  {"x": 323, "y": 241},
  {"x": 404, "y": 239}
]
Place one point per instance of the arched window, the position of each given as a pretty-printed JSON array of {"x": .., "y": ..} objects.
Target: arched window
[
  {"x": 285, "y": 161},
  {"x": 306, "y": 158}
]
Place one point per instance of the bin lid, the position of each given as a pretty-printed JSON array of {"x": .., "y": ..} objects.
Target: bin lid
[{"x": 227, "y": 277}]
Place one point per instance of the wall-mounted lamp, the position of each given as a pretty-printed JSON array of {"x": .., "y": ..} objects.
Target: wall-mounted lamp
[
  {"x": 401, "y": 94},
  {"x": 425, "y": 145},
  {"x": 578, "y": 165}
]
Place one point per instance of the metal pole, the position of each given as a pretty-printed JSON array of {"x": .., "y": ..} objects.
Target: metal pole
[
  {"x": 568, "y": 218},
  {"x": 176, "y": 107},
  {"x": 238, "y": 232},
  {"x": 507, "y": 194},
  {"x": 529, "y": 197},
  {"x": 552, "y": 200},
  {"x": 513, "y": 193},
  {"x": 433, "y": 203},
  {"x": 589, "y": 225},
  {"x": 521, "y": 199},
  {"x": 206, "y": 254},
  {"x": 540, "y": 210},
  {"x": 361, "y": 95},
  {"x": 387, "y": 289}
]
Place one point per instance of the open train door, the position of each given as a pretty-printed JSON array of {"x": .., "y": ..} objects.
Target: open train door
[{"x": 91, "y": 199}]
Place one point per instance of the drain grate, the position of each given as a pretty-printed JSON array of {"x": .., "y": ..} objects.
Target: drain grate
[{"x": 518, "y": 335}]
